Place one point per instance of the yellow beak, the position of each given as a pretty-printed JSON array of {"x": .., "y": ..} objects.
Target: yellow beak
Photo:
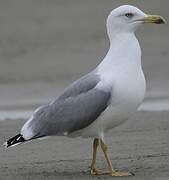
[{"x": 154, "y": 19}]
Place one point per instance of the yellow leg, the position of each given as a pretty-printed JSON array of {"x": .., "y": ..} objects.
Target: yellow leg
[
  {"x": 94, "y": 170},
  {"x": 112, "y": 172}
]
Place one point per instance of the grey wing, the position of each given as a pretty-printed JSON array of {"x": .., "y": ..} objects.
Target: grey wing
[
  {"x": 82, "y": 85},
  {"x": 72, "y": 111}
]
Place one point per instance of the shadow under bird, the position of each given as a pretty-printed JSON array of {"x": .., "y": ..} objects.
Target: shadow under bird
[{"x": 102, "y": 99}]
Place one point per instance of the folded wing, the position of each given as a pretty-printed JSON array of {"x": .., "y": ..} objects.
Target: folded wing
[{"x": 80, "y": 105}]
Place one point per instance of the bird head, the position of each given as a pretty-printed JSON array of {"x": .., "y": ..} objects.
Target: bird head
[{"x": 128, "y": 18}]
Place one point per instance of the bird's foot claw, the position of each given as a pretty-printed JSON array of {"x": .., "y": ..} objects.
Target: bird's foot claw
[
  {"x": 96, "y": 172},
  {"x": 121, "y": 173}
]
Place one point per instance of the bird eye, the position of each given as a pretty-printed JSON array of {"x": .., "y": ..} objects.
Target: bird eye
[{"x": 129, "y": 15}]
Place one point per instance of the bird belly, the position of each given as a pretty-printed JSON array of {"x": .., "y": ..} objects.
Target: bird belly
[
  {"x": 126, "y": 98},
  {"x": 111, "y": 118}
]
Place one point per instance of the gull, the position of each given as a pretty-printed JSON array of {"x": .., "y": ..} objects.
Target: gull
[{"x": 102, "y": 99}]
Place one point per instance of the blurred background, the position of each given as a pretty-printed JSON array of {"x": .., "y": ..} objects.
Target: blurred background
[{"x": 47, "y": 44}]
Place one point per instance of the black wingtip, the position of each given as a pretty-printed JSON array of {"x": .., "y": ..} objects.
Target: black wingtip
[{"x": 18, "y": 139}]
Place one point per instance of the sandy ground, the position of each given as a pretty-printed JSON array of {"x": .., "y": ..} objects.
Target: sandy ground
[{"x": 141, "y": 145}]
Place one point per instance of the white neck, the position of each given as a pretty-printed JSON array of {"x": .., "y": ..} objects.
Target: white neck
[{"x": 124, "y": 50}]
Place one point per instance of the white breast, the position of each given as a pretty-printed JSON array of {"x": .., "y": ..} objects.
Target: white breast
[
  {"x": 120, "y": 72},
  {"x": 127, "y": 94}
]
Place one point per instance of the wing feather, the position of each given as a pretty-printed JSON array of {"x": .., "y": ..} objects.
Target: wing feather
[{"x": 75, "y": 109}]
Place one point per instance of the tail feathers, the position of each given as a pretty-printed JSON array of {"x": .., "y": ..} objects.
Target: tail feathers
[{"x": 18, "y": 139}]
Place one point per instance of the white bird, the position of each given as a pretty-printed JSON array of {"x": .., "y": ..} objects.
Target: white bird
[{"x": 102, "y": 99}]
